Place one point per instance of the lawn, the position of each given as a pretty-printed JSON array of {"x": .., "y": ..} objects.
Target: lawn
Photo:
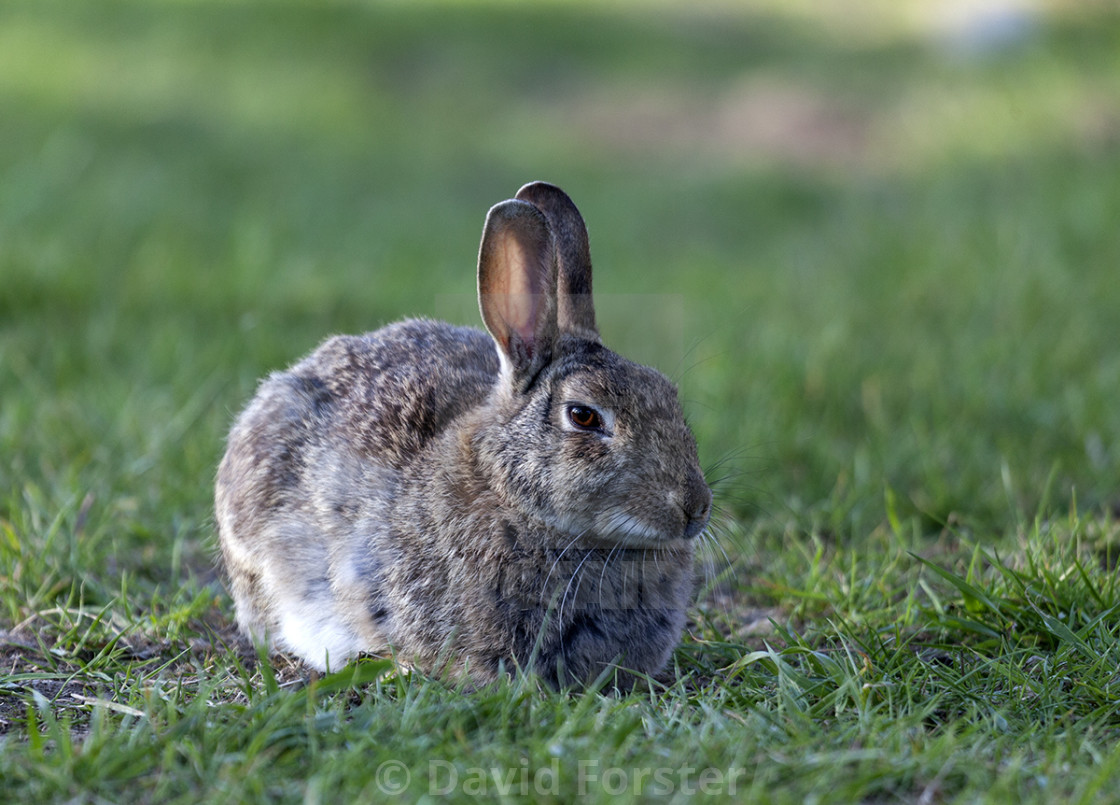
[{"x": 875, "y": 244}]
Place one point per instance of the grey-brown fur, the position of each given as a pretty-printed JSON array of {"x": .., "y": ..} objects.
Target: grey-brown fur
[{"x": 427, "y": 489}]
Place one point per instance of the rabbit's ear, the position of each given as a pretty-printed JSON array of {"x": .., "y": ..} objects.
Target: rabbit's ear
[
  {"x": 575, "y": 311},
  {"x": 517, "y": 288}
]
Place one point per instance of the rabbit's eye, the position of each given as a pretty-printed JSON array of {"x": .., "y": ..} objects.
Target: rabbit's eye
[{"x": 584, "y": 417}]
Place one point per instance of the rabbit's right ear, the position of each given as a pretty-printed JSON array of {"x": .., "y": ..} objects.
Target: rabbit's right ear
[{"x": 517, "y": 288}]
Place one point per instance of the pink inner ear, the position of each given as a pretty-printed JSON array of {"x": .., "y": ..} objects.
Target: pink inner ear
[{"x": 519, "y": 297}]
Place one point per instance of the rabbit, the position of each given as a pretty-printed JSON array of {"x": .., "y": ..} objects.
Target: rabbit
[{"x": 474, "y": 503}]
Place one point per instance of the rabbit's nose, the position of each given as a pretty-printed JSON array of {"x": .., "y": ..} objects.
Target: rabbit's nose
[
  {"x": 697, "y": 506},
  {"x": 695, "y": 525}
]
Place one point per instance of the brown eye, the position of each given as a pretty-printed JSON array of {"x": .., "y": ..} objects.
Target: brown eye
[{"x": 584, "y": 417}]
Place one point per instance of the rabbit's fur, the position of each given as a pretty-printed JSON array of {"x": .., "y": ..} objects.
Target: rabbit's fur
[{"x": 471, "y": 502}]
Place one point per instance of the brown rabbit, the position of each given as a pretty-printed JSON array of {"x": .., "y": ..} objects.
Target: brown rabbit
[{"x": 471, "y": 502}]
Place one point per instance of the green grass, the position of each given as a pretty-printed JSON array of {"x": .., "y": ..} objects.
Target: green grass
[{"x": 882, "y": 268}]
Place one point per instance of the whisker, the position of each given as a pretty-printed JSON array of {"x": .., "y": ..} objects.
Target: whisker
[
  {"x": 603, "y": 572},
  {"x": 557, "y": 560},
  {"x": 575, "y": 573}
]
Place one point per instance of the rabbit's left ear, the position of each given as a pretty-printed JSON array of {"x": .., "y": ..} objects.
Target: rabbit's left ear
[
  {"x": 517, "y": 288},
  {"x": 575, "y": 311}
]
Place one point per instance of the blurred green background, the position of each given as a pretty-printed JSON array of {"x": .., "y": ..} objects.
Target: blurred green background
[{"x": 876, "y": 244}]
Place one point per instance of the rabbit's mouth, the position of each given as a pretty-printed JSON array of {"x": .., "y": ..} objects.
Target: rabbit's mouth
[{"x": 627, "y": 529}]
